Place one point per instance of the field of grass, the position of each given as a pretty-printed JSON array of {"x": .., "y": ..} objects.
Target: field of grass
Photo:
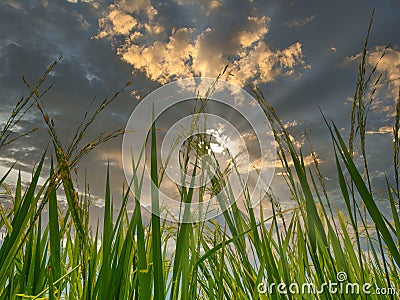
[{"x": 239, "y": 257}]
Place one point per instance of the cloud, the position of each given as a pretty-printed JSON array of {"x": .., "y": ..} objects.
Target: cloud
[
  {"x": 260, "y": 64},
  {"x": 291, "y": 124},
  {"x": 117, "y": 22},
  {"x": 138, "y": 6},
  {"x": 14, "y": 4},
  {"x": 165, "y": 50},
  {"x": 161, "y": 61},
  {"x": 297, "y": 23},
  {"x": 381, "y": 130},
  {"x": 205, "y": 5},
  {"x": 388, "y": 66},
  {"x": 308, "y": 161}
]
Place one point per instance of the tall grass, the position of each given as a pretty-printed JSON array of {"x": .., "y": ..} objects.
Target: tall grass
[{"x": 226, "y": 259}]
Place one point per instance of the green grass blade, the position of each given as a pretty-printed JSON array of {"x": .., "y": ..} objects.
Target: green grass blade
[
  {"x": 155, "y": 221},
  {"x": 366, "y": 196},
  {"x": 55, "y": 247},
  {"x": 16, "y": 239}
]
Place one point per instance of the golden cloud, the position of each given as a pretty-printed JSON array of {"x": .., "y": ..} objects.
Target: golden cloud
[{"x": 164, "y": 53}]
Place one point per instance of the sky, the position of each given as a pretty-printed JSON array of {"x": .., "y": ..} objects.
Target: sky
[{"x": 303, "y": 55}]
